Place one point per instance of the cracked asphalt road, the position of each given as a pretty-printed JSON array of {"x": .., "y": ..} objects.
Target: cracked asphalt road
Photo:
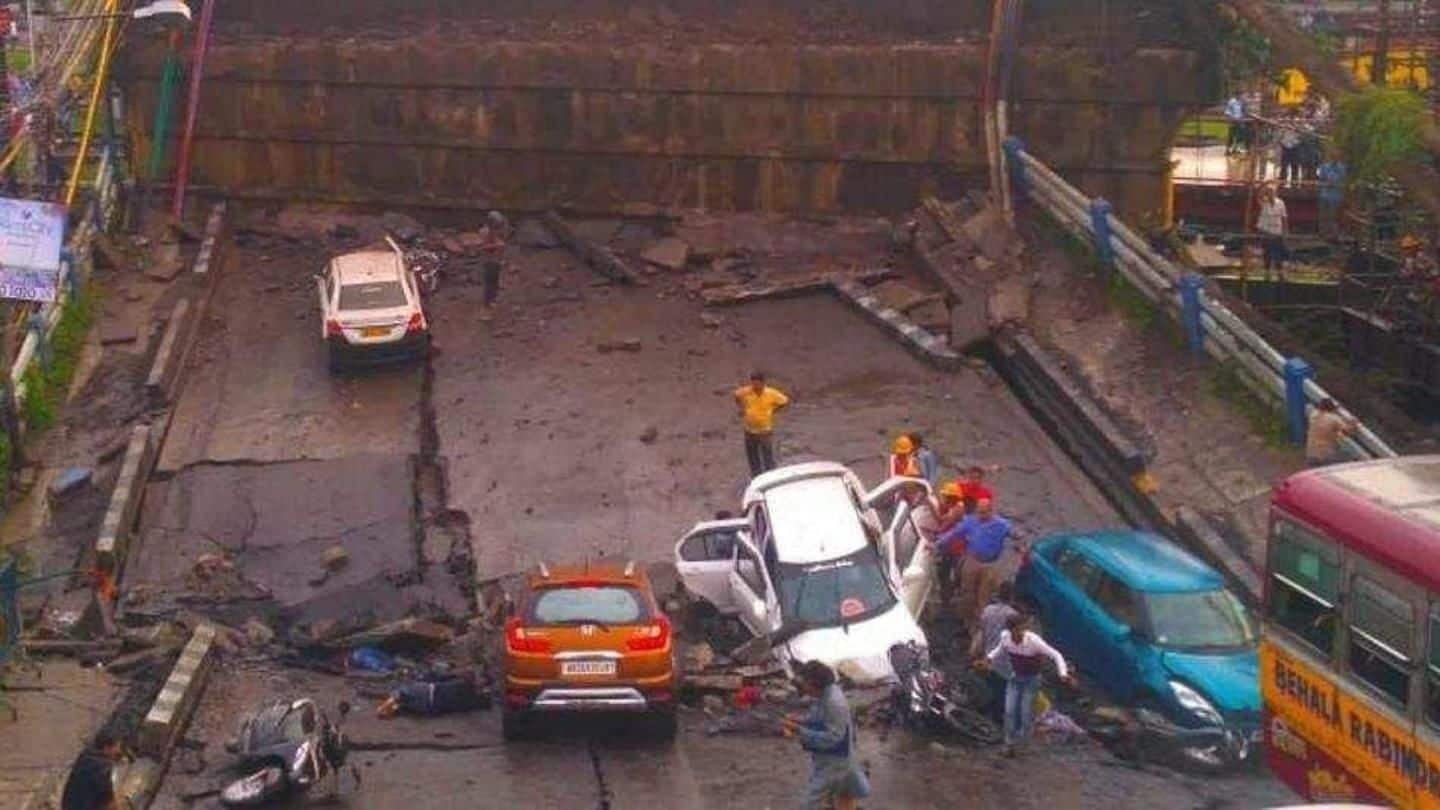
[{"x": 527, "y": 441}]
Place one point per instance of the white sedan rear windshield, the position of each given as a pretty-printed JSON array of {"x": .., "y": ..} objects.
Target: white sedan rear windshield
[{"x": 376, "y": 295}]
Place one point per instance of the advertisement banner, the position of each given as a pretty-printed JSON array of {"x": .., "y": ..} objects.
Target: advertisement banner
[{"x": 32, "y": 234}]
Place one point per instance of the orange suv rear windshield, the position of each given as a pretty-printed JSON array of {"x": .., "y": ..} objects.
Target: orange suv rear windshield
[{"x": 589, "y": 604}]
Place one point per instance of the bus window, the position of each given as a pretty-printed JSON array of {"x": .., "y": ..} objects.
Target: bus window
[
  {"x": 1305, "y": 585},
  {"x": 1432, "y": 670},
  {"x": 1382, "y": 626}
]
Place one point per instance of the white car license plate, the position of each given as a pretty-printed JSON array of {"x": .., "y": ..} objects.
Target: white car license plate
[
  {"x": 375, "y": 331},
  {"x": 587, "y": 668}
]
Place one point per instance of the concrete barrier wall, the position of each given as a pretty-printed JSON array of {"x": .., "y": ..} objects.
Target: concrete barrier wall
[{"x": 531, "y": 125}]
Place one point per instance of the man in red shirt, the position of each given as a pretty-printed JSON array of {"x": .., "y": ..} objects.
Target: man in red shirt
[{"x": 973, "y": 489}]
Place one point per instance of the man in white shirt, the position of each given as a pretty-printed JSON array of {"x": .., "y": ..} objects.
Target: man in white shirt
[
  {"x": 1026, "y": 654},
  {"x": 1235, "y": 114},
  {"x": 1273, "y": 223}
]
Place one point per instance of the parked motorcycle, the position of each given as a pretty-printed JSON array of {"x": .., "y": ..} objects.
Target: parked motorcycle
[
  {"x": 288, "y": 747},
  {"x": 426, "y": 265},
  {"x": 927, "y": 701}
]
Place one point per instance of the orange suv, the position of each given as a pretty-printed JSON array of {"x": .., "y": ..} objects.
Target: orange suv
[{"x": 588, "y": 638}]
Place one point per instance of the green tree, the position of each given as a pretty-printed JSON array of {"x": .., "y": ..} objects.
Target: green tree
[{"x": 1378, "y": 130}]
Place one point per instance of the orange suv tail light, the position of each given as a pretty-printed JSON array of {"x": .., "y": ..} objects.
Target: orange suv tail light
[
  {"x": 518, "y": 640},
  {"x": 417, "y": 323},
  {"x": 332, "y": 329},
  {"x": 653, "y": 636}
]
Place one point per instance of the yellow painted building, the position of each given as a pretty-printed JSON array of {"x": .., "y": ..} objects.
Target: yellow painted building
[{"x": 1408, "y": 68}]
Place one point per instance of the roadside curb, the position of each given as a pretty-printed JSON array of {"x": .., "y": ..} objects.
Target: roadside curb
[
  {"x": 169, "y": 715},
  {"x": 1078, "y": 424},
  {"x": 163, "y": 382},
  {"x": 164, "y": 371},
  {"x": 114, "y": 539},
  {"x": 928, "y": 347},
  {"x": 165, "y": 723}
]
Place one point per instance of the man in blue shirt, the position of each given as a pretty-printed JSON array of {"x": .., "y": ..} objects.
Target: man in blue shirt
[
  {"x": 981, "y": 537},
  {"x": 1331, "y": 176},
  {"x": 1235, "y": 114}
]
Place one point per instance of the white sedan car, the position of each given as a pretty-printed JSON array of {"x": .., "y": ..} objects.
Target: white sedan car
[
  {"x": 810, "y": 567},
  {"x": 370, "y": 308}
]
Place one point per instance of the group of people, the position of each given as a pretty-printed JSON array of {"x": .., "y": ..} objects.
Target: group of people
[
  {"x": 960, "y": 520},
  {"x": 1002, "y": 645},
  {"x": 1296, "y": 137}
]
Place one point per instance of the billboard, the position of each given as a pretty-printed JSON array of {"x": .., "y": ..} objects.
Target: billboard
[{"x": 31, "y": 236}]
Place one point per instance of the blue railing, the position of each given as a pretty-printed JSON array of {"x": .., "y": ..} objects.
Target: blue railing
[{"x": 1210, "y": 327}]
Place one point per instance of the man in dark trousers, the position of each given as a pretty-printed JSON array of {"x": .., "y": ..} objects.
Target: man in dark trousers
[
  {"x": 758, "y": 403},
  {"x": 91, "y": 784},
  {"x": 492, "y": 241}
]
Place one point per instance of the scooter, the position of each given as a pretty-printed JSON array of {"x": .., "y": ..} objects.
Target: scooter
[
  {"x": 924, "y": 699},
  {"x": 288, "y": 747}
]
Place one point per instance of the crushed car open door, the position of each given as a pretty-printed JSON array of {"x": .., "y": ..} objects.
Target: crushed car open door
[
  {"x": 755, "y": 598},
  {"x": 910, "y": 556},
  {"x": 705, "y": 558}
]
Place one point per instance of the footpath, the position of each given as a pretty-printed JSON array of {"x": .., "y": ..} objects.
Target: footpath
[{"x": 79, "y": 669}]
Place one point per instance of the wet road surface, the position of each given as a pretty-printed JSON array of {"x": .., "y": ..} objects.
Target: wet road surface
[{"x": 524, "y": 442}]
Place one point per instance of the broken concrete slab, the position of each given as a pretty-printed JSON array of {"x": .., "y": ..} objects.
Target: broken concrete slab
[
  {"x": 532, "y": 234},
  {"x": 165, "y": 263},
  {"x": 114, "y": 332},
  {"x": 273, "y": 550},
  {"x": 899, "y": 295},
  {"x": 593, "y": 252},
  {"x": 932, "y": 316},
  {"x": 989, "y": 231},
  {"x": 919, "y": 342},
  {"x": 670, "y": 253},
  {"x": 1009, "y": 301},
  {"x": 733, "y": 295},
  {"x": 714, "y": 683},
  {"x": 403, "y": 226},
  {"x": 406, "y": 634}
]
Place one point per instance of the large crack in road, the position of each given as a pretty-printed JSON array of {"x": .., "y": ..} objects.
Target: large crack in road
[{"x": 439, "y": 529}]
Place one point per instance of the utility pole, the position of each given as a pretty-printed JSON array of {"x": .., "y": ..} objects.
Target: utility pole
[{"x": 1380, "y": 62}]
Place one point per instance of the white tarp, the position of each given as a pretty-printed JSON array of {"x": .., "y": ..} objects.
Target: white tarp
[{"x": 31, "y": 236}]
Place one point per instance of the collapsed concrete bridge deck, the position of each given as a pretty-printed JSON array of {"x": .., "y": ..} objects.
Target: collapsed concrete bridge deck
[{"x": 654, "y": 109}]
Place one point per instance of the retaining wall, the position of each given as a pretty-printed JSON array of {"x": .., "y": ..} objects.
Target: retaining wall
[{"x": 475, "y": 122}]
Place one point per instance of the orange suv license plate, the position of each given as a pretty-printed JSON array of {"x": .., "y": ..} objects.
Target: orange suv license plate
[{"x": 587, "y": 668}]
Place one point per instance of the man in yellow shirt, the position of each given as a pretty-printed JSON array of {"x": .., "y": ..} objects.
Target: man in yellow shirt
[{"x": 758, "y": 403}]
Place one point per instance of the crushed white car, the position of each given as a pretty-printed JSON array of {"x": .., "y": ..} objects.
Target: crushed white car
[
  {"x": 370, "y": 308},
  {"x": 811, "y": 567}
]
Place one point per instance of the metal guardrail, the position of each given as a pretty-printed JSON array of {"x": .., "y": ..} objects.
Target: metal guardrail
[
  {"x": 76, "y": 264},
  {"x": 1210, "y": 327}
]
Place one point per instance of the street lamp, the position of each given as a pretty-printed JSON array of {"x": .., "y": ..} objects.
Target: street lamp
[{"x": 155, "y": 8}]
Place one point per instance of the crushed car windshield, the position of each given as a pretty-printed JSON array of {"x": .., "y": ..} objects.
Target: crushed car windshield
[
  {"x": 605, "y": 604},
  {"x": 1201, "y": 619},
  {"x": 379, "y": 295},
  {"x": 836, "y": 592}
]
